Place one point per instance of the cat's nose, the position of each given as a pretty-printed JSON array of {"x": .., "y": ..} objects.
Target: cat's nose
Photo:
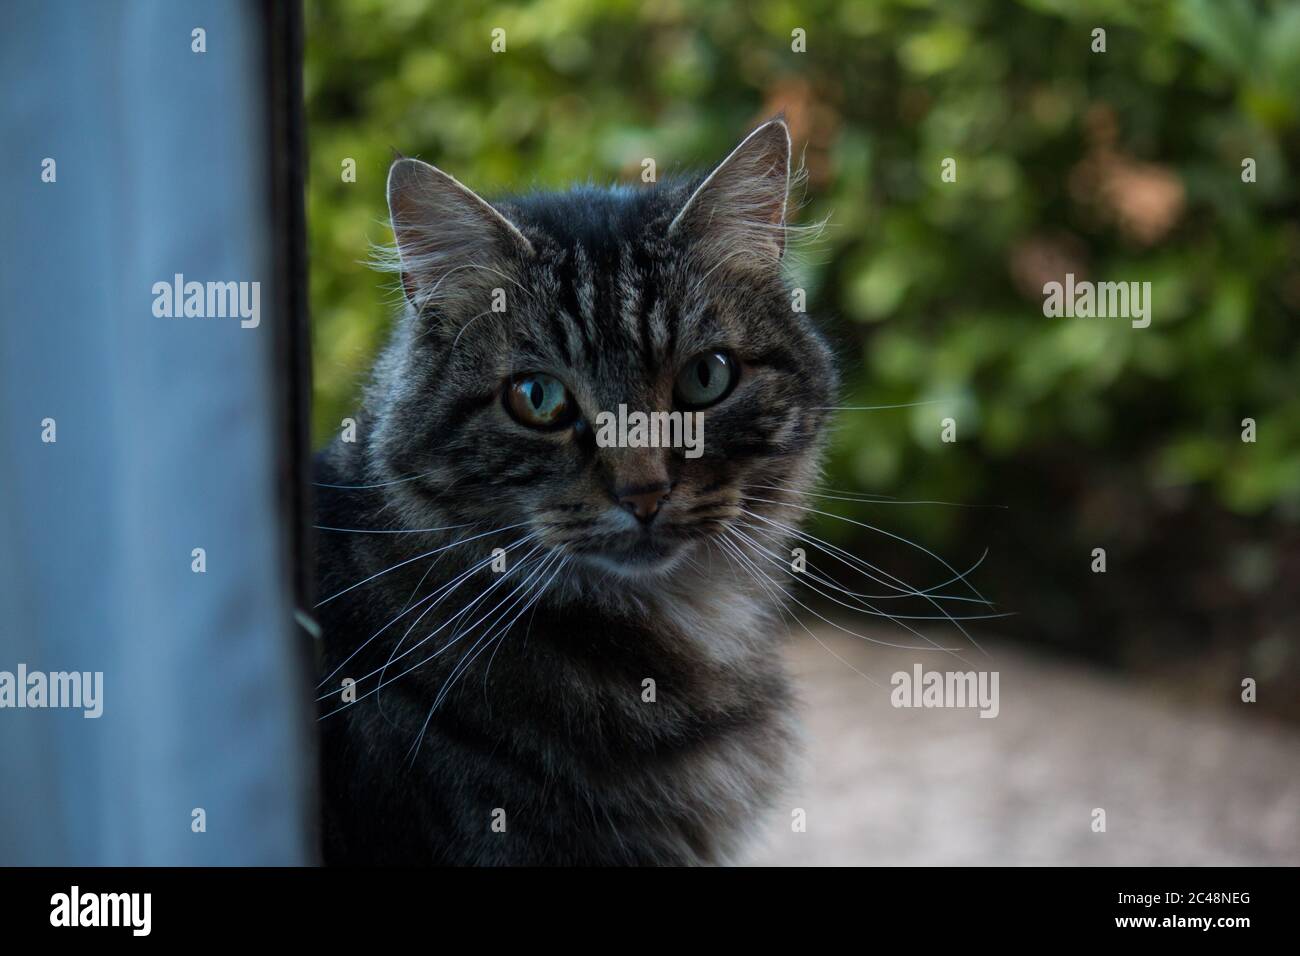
[{"x": 644, "y": 502}]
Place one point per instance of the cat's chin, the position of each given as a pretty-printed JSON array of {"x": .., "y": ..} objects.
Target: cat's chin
[{"x": 639, "y": 561}]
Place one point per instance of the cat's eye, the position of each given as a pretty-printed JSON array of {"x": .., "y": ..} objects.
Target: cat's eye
[
  {"x": 706, "y": 380},
  {"x": 539, "y": 401}
]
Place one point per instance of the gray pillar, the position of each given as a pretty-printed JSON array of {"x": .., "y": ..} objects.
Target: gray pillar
[{"x": 168, "y": 439}]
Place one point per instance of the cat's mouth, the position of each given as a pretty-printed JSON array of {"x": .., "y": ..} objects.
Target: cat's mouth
[
  {"x": 636, "y": 554},
  {"x": 647, "y": 550}
]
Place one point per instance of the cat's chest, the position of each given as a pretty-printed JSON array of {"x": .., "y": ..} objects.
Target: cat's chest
[
  {"x": 698, "y": 737},
  {"x": 725, "y": 627}
]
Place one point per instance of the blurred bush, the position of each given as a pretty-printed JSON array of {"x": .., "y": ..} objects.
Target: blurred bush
[{"x": 1122, "y": 165}]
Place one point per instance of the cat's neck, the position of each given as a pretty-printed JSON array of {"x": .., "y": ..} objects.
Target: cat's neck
[{"x": 708, "y": 603}]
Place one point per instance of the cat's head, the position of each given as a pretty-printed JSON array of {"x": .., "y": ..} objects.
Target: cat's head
[{"x": 528, "y": 317}]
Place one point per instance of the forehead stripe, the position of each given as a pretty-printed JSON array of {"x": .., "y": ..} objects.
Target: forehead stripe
[
  {"x": 572, "y": 312},
  {"x": 560, "y": 334}
]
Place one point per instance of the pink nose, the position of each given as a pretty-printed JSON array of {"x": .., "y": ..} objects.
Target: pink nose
[{"x": 644, "y": 504}]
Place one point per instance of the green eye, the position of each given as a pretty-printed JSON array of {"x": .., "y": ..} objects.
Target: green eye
[
  {"x": 539, "y": 401},
  {"x": 706, "y": 380}
]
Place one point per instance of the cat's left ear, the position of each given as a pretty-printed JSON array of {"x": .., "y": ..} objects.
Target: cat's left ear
[{"x": 739, "y": 209}]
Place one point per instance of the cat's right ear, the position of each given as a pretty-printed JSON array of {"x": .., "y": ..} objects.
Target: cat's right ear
[{"x": 444, "y": 231}]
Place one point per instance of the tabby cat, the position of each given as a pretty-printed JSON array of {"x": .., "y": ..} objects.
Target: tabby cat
[{"x": 539, "y": 649}]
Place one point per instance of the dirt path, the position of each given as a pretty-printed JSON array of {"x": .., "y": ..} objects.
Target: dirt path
[{"x": 886, "y": 785}]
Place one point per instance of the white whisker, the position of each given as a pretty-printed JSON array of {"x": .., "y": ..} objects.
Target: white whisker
[
  {"x": 444, "y": 589},
  {"x": 418, "y": 557},
  {"x": 381, "y": 484},
  {"x": 808, "y": 630},
  {"x": 871, "y": 640},
  {"x": 888, "y": 534}
]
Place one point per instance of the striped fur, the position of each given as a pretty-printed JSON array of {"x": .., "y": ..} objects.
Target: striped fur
[{"x": 611, "y": 291}]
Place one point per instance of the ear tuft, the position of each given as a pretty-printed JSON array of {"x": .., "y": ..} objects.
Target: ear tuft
[{"x": 738, "y": 212}]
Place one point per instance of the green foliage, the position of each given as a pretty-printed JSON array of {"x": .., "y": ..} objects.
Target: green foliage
[{"x": 1122, "y": 165}]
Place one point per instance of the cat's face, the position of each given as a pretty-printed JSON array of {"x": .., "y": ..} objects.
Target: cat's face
[{"x": 534, "y": 322}]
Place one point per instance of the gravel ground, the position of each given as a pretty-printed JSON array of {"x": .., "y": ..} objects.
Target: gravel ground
[{"x": 884, "y": 785}]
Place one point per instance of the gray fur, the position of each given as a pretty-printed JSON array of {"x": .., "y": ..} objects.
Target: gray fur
[{"x": 611, "y": 291}]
